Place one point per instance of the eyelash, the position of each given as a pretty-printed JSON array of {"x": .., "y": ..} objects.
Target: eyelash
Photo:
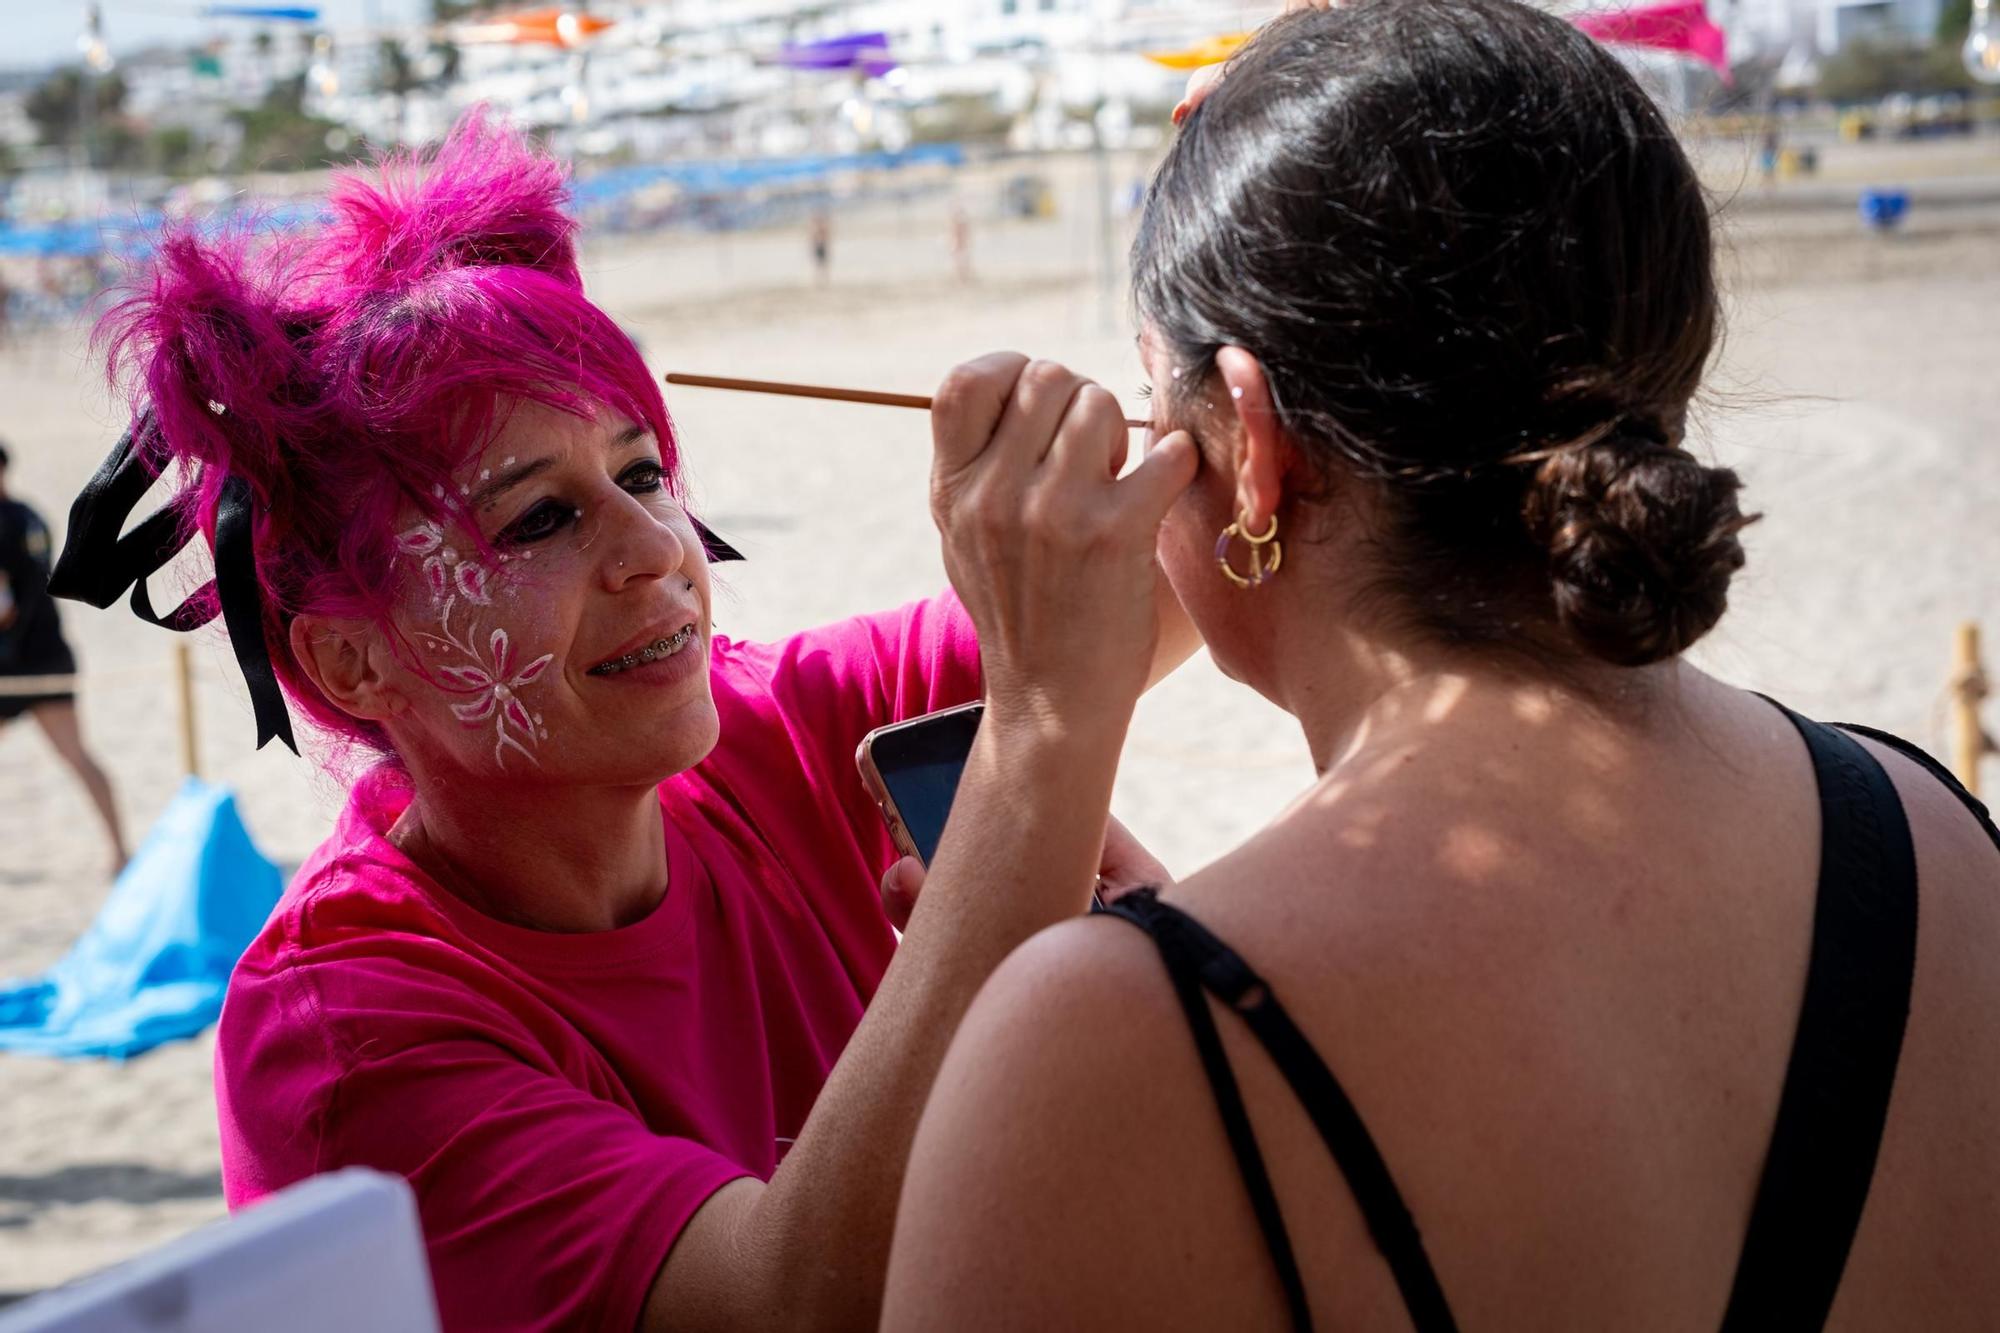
[
  {"x": 1145, "y": 392},
  {"x": 549, "y": 517}
]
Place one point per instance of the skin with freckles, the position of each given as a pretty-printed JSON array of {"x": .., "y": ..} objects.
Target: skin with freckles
[
  {"x": 533, "y": 761},
  {"x": 581, "y": 554}
]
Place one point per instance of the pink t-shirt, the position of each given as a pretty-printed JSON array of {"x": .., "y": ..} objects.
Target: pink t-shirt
[{"x": 562, "y": 1104}]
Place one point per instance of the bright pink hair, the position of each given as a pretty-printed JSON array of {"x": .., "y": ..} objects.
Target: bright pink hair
[{"x": 358, "y": 365}]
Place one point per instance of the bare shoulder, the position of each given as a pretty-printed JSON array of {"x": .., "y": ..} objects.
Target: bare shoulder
[
  {"x": 1092, "y": 957},
  {"x": 1944, "y": 827},
  {"x": 1958, "y": 868},
  {"x": 1068, "y": 1171},
  {"x": 1077, "y": 1011}
]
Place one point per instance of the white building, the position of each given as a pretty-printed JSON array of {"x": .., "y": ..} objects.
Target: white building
[
  {"x": 1800, "y": 29},
  {"x": 685, "y": 74},
  {"x": 1843, "y": 21}
]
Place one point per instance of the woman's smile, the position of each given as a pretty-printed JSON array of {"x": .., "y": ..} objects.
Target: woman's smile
[{"x": 665, "y": 660}]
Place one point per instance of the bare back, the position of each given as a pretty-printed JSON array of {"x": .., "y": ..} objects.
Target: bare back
[{"x": 1559, "y": 968}]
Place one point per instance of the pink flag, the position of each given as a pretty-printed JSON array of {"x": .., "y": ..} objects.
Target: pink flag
[{"x": 1677, "y": 25}]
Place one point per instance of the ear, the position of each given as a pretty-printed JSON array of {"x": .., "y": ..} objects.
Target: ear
[
  {"x": 1264, "y": 454},
  {"x": 345, "y": 659}
]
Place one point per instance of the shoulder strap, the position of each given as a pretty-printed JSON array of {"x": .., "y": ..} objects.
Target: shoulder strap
[
  {"x": 1844, "y": 1054},
  {"x": 1944, "y": 775},
  {"x": 1340, "y": 1127},
  {"x": 1194, "y": 950},
  {"x": 1144, "y": 910}
]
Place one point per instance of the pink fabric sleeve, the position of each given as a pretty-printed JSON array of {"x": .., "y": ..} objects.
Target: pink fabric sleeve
[
  {"x": 880, "y": 668},
  {"x": 543, "y": 1206},
  {"x": 831, "y": 686}
]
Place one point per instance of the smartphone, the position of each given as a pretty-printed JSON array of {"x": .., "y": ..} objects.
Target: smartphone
[{"x": 912, "y": 770}]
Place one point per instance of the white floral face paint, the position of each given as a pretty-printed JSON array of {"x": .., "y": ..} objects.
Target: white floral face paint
[{"x": 492, "y": 677}]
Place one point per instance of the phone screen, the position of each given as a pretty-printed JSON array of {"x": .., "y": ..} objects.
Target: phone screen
[{"x": 920, "y": 765}]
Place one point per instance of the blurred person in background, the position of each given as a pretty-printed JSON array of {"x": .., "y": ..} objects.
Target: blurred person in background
[
  {"x": 819, "y": 239},
  {"x": 959, "y": 227},
  {"x": 32, "y": 645}
]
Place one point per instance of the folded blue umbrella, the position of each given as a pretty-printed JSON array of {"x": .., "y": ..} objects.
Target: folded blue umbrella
[{"x": 154, "y": 965}]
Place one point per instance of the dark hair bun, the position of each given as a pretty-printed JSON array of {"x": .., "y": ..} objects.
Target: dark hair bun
[{"x": 1642, "y": 543}]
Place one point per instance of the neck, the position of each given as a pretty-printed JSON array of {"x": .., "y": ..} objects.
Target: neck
[
  {"x": 557, "y": 858},
  {"x": 1361, "y": 692}
]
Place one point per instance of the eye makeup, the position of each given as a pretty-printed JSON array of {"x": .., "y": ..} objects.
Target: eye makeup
[{"x": 547, "y": 517}]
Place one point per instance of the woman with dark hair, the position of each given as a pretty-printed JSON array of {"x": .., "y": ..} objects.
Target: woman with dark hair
[
  {"x": 1580, "y": 990},
  {"x": 594, "y": 957}
]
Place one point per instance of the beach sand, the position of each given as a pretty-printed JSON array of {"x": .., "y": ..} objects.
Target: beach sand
[{"x": 1859, "y": 393}]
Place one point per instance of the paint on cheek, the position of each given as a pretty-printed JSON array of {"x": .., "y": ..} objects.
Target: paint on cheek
[{"x": 483, "y": 664}]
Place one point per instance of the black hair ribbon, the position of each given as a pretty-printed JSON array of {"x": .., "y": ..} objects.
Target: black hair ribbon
[
  {"x": 97, "y": 565},
  {"x": 717, "y": 549}
]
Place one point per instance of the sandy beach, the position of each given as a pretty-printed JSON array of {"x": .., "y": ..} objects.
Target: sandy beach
[{"x": 1858, "y": 392}]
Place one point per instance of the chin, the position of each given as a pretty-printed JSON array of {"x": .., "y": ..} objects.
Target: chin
[
  {"x": 673, "y": 744},
  {"x": 636, "y": 752},
  {"x": 692, "y": 742}
]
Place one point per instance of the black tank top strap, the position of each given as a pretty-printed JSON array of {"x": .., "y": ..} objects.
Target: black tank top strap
[
  {"x": 1842, "y": 1072},
  {"x": 1185, "y": 958},
  {"x": 1831, "y": 1112},
  {"x": 1936, "y": 770},
  {"x": 1918, "y": 755},
  {"x": 1197, "y": 960}
]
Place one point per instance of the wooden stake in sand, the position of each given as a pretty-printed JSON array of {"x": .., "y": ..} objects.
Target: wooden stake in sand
[
  {"x": 819, "y": 391},
  {"x": 1969, "y": 742},
  {"x": 184, "y": 684}
]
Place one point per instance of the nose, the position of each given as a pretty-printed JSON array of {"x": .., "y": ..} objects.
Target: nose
[{"x": 640, "y": 547}]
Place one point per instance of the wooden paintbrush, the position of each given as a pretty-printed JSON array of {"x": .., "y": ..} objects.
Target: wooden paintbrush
[{"x": 818, "y": 391}]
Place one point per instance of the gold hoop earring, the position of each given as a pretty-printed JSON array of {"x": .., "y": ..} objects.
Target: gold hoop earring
[{"x": 1263, "y": 563}]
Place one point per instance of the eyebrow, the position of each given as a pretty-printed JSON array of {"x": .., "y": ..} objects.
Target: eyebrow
[
  {"x": 514, "y": 476},
  {"x": 508, "y": 480}
]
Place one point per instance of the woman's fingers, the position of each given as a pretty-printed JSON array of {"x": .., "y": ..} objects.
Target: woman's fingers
[
  {"x": 1199, "y": 85},
  {"x": 1053, "y": 442},
  {"x": 1090, "y": 444},
  {"x": 1043, "y": 397},
  {"x": 1203, "y": 81},
  {"x": 1019, "y": 405},
  {"x": 1167, "y": 469},
  {"x": 901, "y": 884},
  {"x": 967, "y": 408},
  {"x": 1126, "y": 865},
  {"x": 1051, "y": 551}
]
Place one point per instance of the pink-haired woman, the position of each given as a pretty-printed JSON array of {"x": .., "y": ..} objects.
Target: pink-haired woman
[{"x": 595, "y": 956}]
